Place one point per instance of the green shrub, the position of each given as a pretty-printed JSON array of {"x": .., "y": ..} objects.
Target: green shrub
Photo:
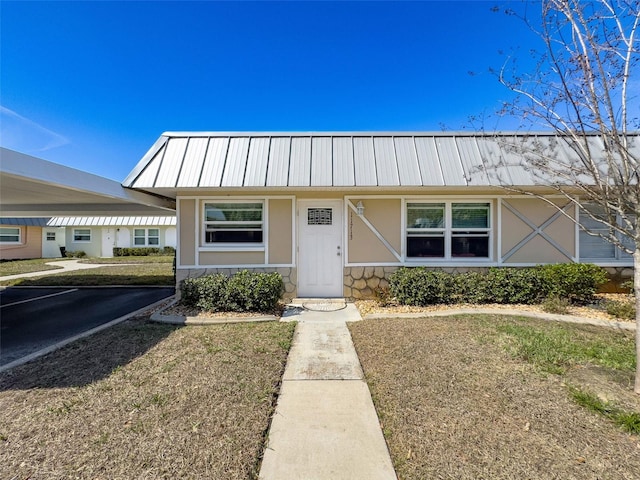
[
  {"x": 257, "y": 292},
  {"x": 243, "y": 292},
  {"x": 472, "y": 287},
  {"x": 576, "y": 281},
  {"x": 76, "y": 254},
  {"x": 628, "y": 285},
  {"x": 207, "y": 293},
  {"x": 142, "y": 251},
  {"x": 515, "y": 285},
  {"x": 624, "y": 310},
  {"x": 419, "y": 286}
]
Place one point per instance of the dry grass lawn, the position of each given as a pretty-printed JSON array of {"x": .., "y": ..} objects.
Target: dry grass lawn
[
  {"x": 145, "y": 401},
  {"x": 142, "y": 274},
  {"x": 456, "y": 403}
]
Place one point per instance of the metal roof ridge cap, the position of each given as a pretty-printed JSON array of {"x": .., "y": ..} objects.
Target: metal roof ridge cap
[{"x": 365, "y": 133}]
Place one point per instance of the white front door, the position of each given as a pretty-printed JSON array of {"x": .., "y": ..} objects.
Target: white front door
[
  {"x": 320, "y": 272},
  {"x": 108, "y": 241}
]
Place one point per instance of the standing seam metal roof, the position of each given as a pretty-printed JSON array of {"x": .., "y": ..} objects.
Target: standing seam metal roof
[
  {"x": 335, "y": 159},
  {"x": 111, "y": 221}
]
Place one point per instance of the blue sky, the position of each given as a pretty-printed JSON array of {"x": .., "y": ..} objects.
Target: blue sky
[{"x": 92, "y": 85}]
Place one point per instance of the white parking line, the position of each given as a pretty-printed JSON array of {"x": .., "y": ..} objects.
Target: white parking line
[{"x": 39, "y": 298}]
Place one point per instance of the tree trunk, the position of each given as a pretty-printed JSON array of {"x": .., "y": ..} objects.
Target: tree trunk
[{"x": 636, "y": 291}]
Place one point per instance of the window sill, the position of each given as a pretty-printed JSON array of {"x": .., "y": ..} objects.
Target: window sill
[
  {"x": 231, "y": 248},
  {"x": 455, "y": 261}
]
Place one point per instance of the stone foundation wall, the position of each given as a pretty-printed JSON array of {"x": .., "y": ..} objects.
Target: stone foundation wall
[
  {"x": 362, "y": 282},
  {"x": 289, "y": 276}
]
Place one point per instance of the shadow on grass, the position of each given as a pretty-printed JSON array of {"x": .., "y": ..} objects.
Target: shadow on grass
[{"x": 88, "y": 360}]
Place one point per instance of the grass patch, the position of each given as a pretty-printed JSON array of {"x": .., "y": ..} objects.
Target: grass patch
[
  {"x": 556, "y": 347},
  {"x": 628, "y": 421},
  {"x": 134, "y": 260},
  {"x": 142, "y": 274},
  {"x": 143, "y": 400},
  {"x": 454, "y": 403},
  {"x": 16, "y": 267}
]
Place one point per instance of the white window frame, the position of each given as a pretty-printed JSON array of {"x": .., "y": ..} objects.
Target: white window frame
[
  {"x": 76, "y": 234},
  {"x": 146, "y": 236},
  {"x": 619, "y": 256},
  {"x": 449, "y": 231},
  {"x": 232, "y": 246},
  {"x": 13, "y": 242}
]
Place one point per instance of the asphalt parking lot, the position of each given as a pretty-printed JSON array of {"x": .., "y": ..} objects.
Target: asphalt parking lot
[{"x": 35, "y": 318}]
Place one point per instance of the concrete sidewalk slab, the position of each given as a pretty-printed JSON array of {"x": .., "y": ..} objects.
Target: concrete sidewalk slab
[
  {"x": 295, "y": 312},
  {"x": 322, "y": 351},
  {"x": 325, "y": 426},
  {"x": 326, "y": 430},
  {"x": 65, "y": 266}
]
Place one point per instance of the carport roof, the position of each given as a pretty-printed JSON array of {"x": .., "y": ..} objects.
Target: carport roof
[
  {"x": 112, "y": 221},
  {"x": 32, "y": 187}
]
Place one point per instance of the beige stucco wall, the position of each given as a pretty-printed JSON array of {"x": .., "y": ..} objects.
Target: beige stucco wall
[
  {"x": 186, "y": 232},
  {"x": 30, "y": 246},
  {"x": 385, "y": 215},
  {"x": 231, "y": 258},
  {"x": 538, "y": 249},
  {"x": 280, "y": 231}
]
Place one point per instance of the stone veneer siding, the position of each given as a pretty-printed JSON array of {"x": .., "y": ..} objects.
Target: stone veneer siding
[{"x": 289, "y": 276}]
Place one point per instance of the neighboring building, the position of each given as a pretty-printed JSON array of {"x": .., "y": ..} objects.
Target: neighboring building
[
  {"x": 97, "y": 236},
  {"x": 22, "y": 238},
  {"x": 337, "y": 213}
]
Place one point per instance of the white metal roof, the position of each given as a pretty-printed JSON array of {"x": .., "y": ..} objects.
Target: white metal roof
[
  {"x": 370, "y": 160},
  {"x": 111, "y": 221}
]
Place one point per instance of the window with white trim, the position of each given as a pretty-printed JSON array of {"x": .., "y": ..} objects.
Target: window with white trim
[
  {"x": 448, "y": 230},
  {"x": 593, "y": 246},
  {"x": 233, "y": 223},
  {"x": 10, "y": 234},
  {"x": 51, "y": 236},
  {"x": 81, "y": 234},
  {"x": 146, "y": 237}
]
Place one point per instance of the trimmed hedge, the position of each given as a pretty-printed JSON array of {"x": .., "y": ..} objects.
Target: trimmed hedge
[
  {"x": 142, "y": 251},
  {"x": 575, "y": 282},
  {"x": 243, "y": 292}
]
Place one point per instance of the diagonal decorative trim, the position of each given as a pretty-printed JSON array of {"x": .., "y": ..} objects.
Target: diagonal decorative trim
[
  {"x": 537, "y": 230},
  {"x": 375, "y": 232}
]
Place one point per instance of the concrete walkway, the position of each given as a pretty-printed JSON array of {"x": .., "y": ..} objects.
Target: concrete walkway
[
  {"x": 325, "y": 426},
  {"x": 67, "y": 266}
]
